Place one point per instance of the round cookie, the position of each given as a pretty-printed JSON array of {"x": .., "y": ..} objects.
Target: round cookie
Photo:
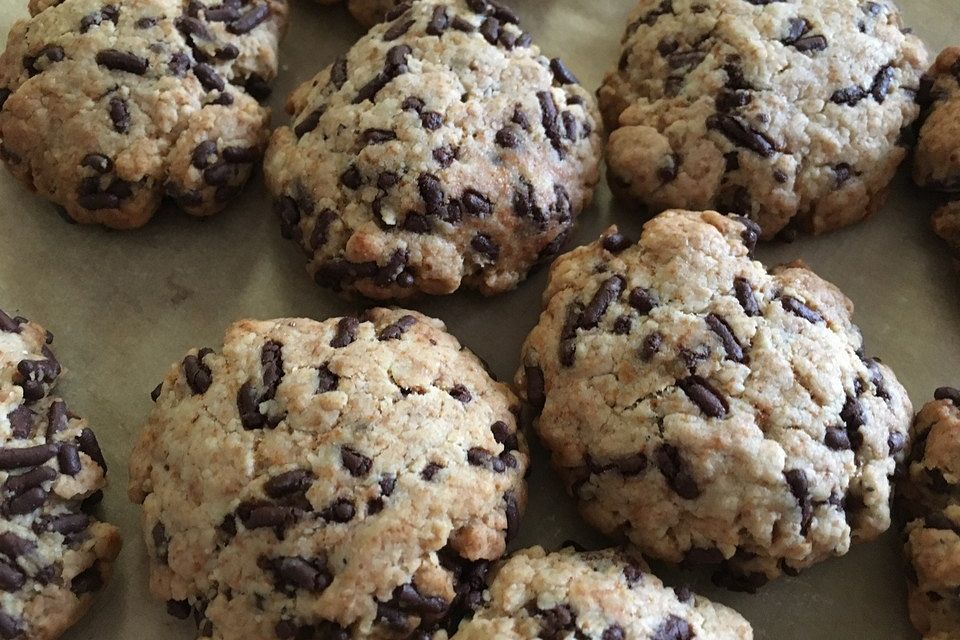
[
  {"x": 936, "y": 162},
  {"x": 710, "y": 411},
  {"x": 54, "y": 555},
  {"x": 108, "y": 106},
  {"x": 351, "y": 478},
  {"x": 594, "y": 596},
  {"x": 788, "y": 112},
  {"x": 931, "y": 496},
  {"x": 443, "y": 150}
]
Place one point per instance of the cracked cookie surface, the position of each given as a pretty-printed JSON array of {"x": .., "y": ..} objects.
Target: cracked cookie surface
[
  {"x": 351, "y": 478},
  {"x": 443, "y": 150},
  {"x": 106, "y": 107},
  {"x": 789, "y": 112},
  {"x": 931, "y": 497},
  {"x": 598, "y": 595},
  {"x": 708, "y": 410},
  {"x": 54, "y": 556}
]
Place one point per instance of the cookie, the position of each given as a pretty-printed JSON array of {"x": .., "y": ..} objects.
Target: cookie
[
  {"x": 443, "y": 150},
  {"x": 710, "y": 411},
  {"x": 931, "y": 496},
  {"x": 106, "y": 107},
  {"x": 787, "y": 112},
  {"x": 597, "y": 596},
  {"x": 54, "y": 555},
  {"x": 338, "y": 479},
  {"x": 936, "y": 163}
]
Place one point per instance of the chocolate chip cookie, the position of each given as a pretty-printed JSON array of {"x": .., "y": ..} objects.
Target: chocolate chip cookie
[
  {"x": 708, "y": 410},
  {"x": 443, "y": 150},
  {"x": 931, "y": 497},
  {"x": 54, "y": 555},
  {"x": 787, "y": 112},
  {"x": 937, "y": 159},
  {"x": 351, "y": 478},
  {"x": 597, "y": 596},
  {"x": 108, "y": 106}
]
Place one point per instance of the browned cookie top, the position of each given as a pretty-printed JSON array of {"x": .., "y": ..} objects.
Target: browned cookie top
[
  {"x": 788, "y": 112},
  {"x": 931, "y": 497},
  {"x": 443, "y": 150},
  {"x": 710, "y": 410},
  {"x": 598, "y": 595},
  {"x": 54, "y": 555},
  {"x": 108, "y": 106},
  {"x": 937, "y": 160},
  {"x": 337, "y": 479}
]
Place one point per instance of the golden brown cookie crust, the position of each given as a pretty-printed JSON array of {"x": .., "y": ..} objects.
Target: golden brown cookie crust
[
  {"x": 708, "y": 410},
  {"x": 442, "y": 151},
  {"x": 54, "y": 557},
  {"x": 107, "y": 107},
  {"x": 790, "y": 113},
  {"x": 354, "y": 476}
]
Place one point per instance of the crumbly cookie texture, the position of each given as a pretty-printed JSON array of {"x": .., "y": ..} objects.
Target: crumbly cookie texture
[
  {"x": 931, "y": 497},
  {"x": 351, "y": 478},
  {"x": 708, "y": 410},
  {"x": 937, "y": 159},
  {"x": 597, "y": 596},
  {"x": 108, "y": 106},
  {"x": 936, "y": 162},
  {"x": 789, "y": 112},
  {"x": 54, "y": 555},
  {"x": 443, "y": 150}
]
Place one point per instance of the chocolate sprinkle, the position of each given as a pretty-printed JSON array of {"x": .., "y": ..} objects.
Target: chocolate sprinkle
[
  {"x": 87, "y": 441},
  {"x": 120, "y": 117},
  {"x": 249, "y": 20},
  {"x": 798, "y": 308},
  {"x": 730, "y": 343},
  {"x": 702, "y": 394},
  {"x": 674, "y": 470},
  {"x": 651, "y": 345},
  {"x": 742, "y": 134},
  {"x": 606, "y": 294},
  {"x": 744, "y": 293},
  {"x": 355, "y": 462},
  {"x": 19, "y": 458},
  {"x": 562, "y": 73},
  {"x": 117, "y": 60},
  {"x": 346, "y": 332},
  {"x": 948, "y": 393},
  {"x": 535, "y": 386}
]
